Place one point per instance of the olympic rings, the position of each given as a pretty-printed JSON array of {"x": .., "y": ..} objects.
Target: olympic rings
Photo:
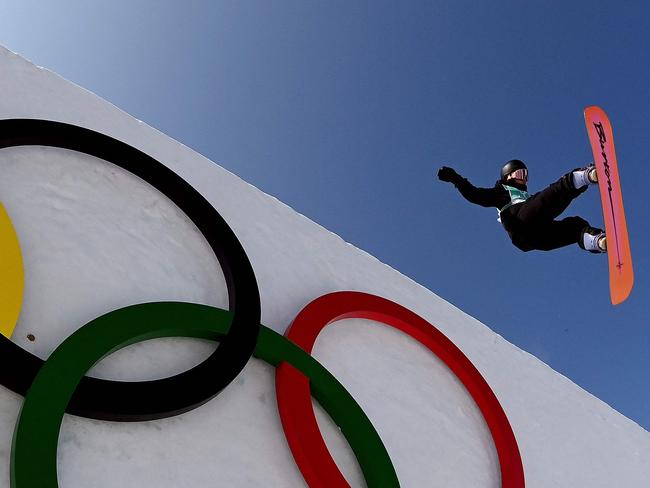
[
  {"x": 59, "y": 384},
  {"x": 39, "y": 422},
  {"x": 296, "y": 410},
  {"x": 113, "y": 400}
]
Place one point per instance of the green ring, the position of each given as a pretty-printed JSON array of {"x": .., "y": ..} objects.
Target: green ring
[{"x": 34, "y": 449}]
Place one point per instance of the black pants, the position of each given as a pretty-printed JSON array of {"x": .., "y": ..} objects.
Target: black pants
[{"x": 533, "y": 225}]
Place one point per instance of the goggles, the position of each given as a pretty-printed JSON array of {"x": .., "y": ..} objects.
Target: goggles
[{"x": 520, "y": 174}]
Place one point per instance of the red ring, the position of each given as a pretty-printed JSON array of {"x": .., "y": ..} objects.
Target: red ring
[{"x": 294, "y": 397}]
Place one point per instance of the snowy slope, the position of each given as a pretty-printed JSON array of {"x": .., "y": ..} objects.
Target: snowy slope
[{"x": 95, "y": 238}]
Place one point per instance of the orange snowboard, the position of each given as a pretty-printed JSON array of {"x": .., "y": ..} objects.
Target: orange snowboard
[{"x": 621, "y": 274}]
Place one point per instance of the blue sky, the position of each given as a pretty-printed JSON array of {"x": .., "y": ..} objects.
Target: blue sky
[{"x": 345, "y": 110}]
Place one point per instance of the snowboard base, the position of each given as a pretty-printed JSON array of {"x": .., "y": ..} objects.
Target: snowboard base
[{"x": 619, "y": 256}]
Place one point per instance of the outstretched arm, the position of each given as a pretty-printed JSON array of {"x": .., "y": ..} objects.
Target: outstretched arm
[{"x": 485, "y": 197}]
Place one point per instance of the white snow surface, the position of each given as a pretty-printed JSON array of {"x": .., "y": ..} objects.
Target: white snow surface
[{"x": 95, "y": 238}]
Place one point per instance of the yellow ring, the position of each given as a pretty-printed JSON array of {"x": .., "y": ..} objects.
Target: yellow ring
[{"x": 12, "y": 276}]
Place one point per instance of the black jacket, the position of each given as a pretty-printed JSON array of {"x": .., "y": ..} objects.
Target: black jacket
[{"x": 497, "y": 196}]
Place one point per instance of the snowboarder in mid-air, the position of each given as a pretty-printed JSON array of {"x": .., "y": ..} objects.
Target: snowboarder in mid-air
[{"x": 530, "y": 220}]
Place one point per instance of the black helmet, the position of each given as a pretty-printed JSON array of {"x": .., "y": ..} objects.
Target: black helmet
[{"x": 510, "y": 166}]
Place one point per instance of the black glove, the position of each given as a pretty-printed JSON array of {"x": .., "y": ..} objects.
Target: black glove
[{"x": 448, "y": 174}]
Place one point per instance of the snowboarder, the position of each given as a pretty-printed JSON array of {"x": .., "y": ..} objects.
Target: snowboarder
[{"x": 530, "y": 220}]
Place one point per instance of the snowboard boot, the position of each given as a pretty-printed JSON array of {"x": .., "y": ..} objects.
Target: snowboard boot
[
  {"x": 593, "y": 240},
  {"x": 592, "y": 174},
  {"x": 584, "y": 176}
]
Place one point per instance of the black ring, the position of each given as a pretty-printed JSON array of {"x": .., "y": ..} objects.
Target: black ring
[{"x": 147, "y": 400}]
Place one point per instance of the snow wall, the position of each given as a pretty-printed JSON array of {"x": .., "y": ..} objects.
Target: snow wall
[{"x": 95, "y": 238}]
